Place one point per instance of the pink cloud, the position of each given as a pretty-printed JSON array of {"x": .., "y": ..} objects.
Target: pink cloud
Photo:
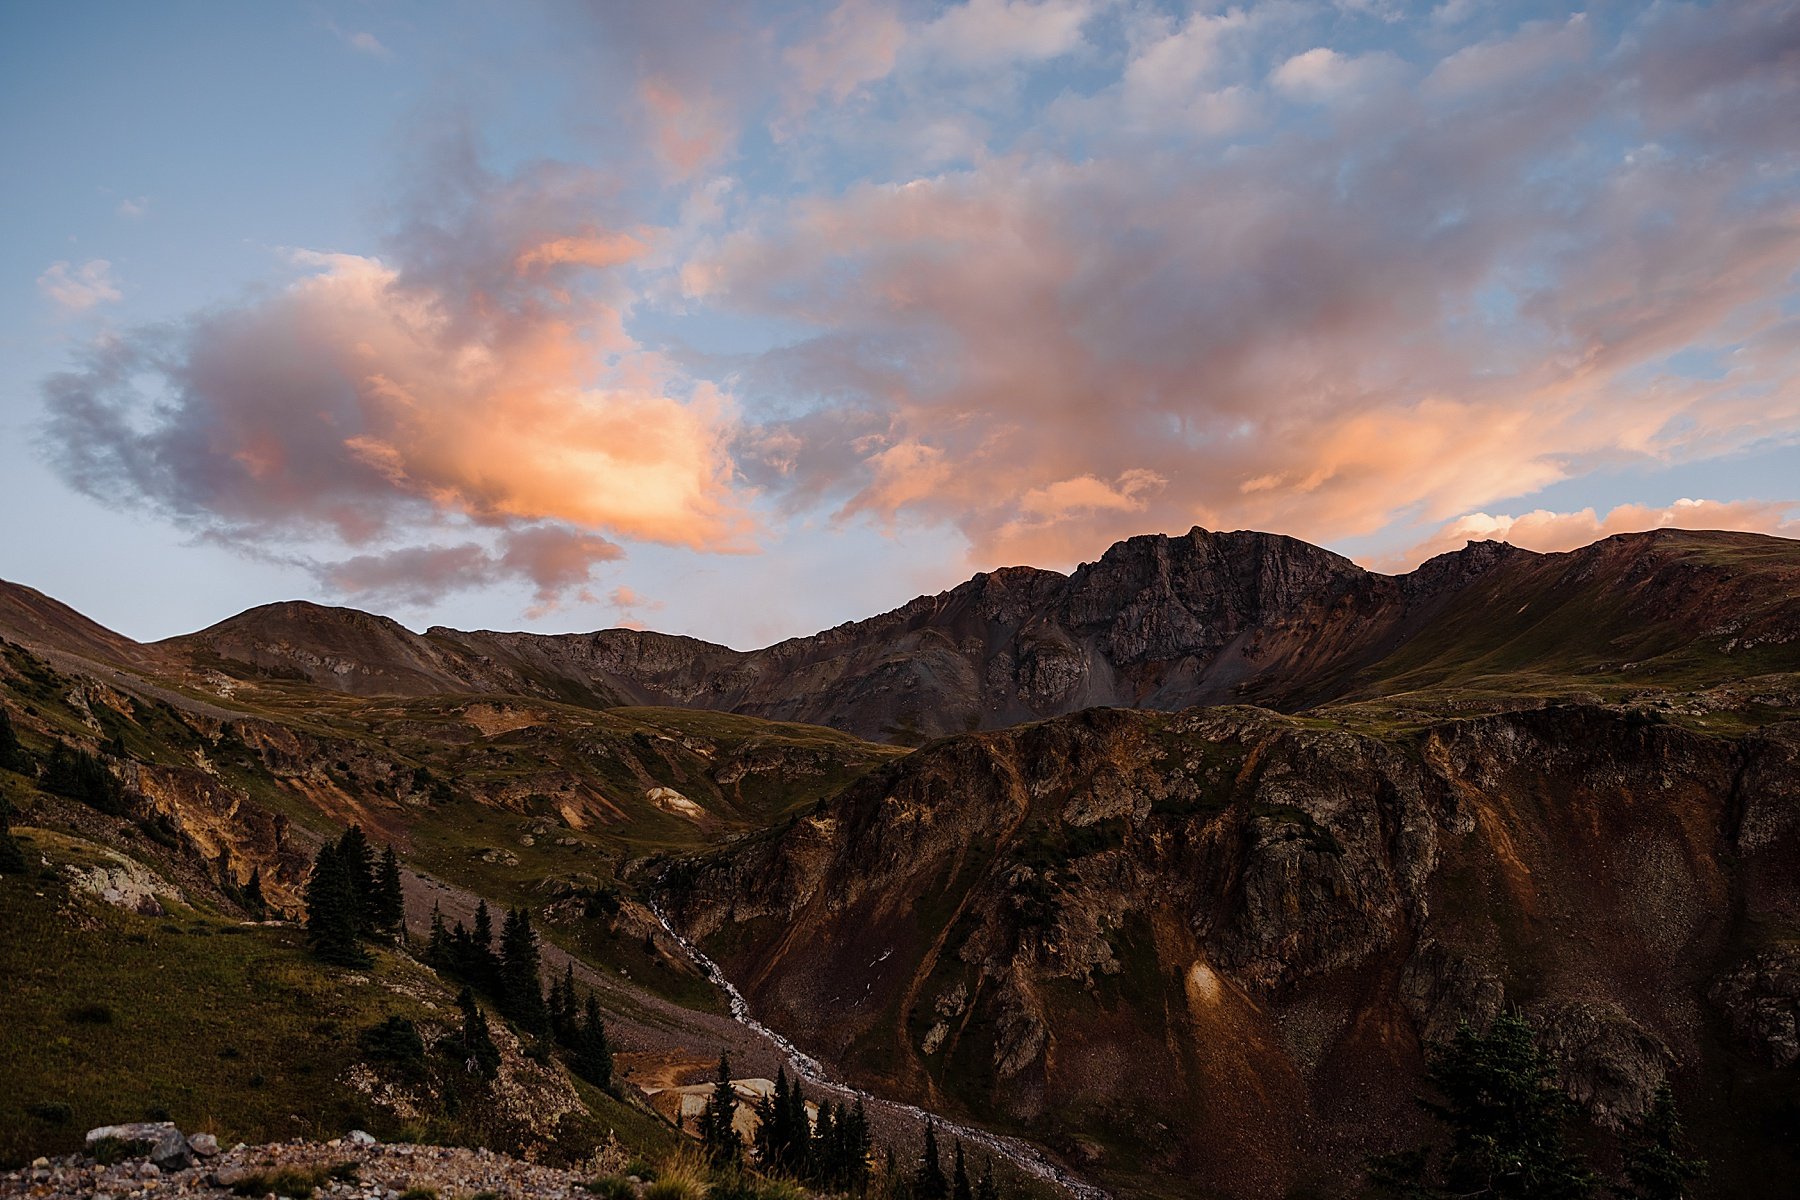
[{"x": 480, "y": 383}]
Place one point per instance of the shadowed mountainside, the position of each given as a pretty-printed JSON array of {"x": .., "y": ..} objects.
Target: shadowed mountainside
[{"x": 1213, "y": 945}]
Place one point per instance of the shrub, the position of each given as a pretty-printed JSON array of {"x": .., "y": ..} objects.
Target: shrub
[
  {"x": 52, "y": 1112},
  {"x": 88, "y": 1014},
  {"x": 641, "y": 1169},
  {"x": 75, "y": 773},
  {"x": 394, "y": 1040},
  {"x": 419, "y": 1193},
  {"x": 611, "y": 1187}
]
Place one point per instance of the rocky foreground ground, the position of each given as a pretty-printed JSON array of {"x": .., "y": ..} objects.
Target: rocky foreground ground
[{"x": 353, "y": 1166}]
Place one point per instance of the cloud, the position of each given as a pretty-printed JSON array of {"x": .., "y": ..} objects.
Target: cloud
[
  {"x": 1324, "y": 76},
  {"x": 1407, "y": 316},
  {"x": 134, "y": 207},
  {"x": 478, "y": 382},
  {"x": 360, "y": 40},
  {"x": 77, "y": 289},
  {"x": 1550, "y": 532},
  {"x": 991, "y": 33}
]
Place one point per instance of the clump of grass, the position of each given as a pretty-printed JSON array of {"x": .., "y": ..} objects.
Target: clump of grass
[
  {"x": 641, "y": 1169},
  {"x": 419, "y": 1193},
  {"x": 298, "y": 1183},
  {"x": 88, "y": 1014},
  {"x": 51, "y": 1112},
  {"x": 110, "y": 1150},
  {"x": 611, "y": 1187},
  {"x": 680, "y": 1176}
]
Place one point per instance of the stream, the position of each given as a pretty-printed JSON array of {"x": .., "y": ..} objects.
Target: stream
[{"x": 1021, "y": 1154}]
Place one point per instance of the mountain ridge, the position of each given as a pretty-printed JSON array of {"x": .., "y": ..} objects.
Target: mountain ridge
[{"x": 1158, "y": 621}]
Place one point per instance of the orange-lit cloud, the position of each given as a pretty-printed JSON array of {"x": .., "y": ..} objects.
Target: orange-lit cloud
[{"x": 482, "y": 383}]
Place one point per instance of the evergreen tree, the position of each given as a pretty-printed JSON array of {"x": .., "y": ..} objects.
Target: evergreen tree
[
  {"x": 1655, "y": 1153},
  {"x": 480, "y": 966},
  {"x": 359, "y": 868},
  {"x": 12, "y": 855},
  {"x": 388, "y": 909},
  {"x": 985, "y": 1188},
  {"x": 480, "y": 1055},
  {"x": 1505, "y": 1118},
  {"x": 823, "y": 1146},
  {"x": 771, "y": 1122},
  {"x": 856, "y": 1143},
  {"x": 521, "y": 987},
  {"x": 593, "y": 1053},
  {"x": 331, "y": 906},
  {"x": 718, "y": 1133},
  {"x": 959, "y": 1178},
  {"x": 565, "y": 1016},
  {"x": 254, "y": 901},
  {"x": 437, "y": 947},
  {"x": 13, "y": 755},
  {"x": 929, "y": 1182}
]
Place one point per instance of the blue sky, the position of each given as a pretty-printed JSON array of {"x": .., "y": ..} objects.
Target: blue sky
[{"x": 741, "y": 321}]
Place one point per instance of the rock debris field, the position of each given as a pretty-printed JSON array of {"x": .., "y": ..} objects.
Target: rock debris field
[{"x": 156, "y": 1160}]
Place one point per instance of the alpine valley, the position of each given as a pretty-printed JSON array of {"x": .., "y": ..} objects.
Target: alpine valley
[{"x": 1172, "y": 876}]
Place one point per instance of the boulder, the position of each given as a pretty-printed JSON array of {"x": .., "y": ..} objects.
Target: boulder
[
  {"x": 204, "y": 1145},
  {"x": 158, "y": 1141},
  {"x": 357, "y": 1137}
]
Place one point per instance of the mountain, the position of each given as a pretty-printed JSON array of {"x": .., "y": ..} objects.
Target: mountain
[
  {"x": 1182, "y": 863},
  {"x": 1158, "y": 622},
  {"x": 1213, "y": 946}
]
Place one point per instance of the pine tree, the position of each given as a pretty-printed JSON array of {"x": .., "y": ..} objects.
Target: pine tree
[
  {"x": 564, "y": 1014},
  {"x": 388, "y": 908},
  {"x": 480, "y": 1055},
  {"x": 929, "y": 1182},
  {"x": 254, "y": 901},
  {"x": 331, "y": 925},
  {"x": 359, "y": 867},
  {"x": 718, "y": 1133},
  {"x": 480, "y": 965},
  {"x": 856, "y": 1142},
  {"x": 1654, "y": 1150},
  {"x": 822, "y": 1145},
  {"x": 13, "y": 755},
  {"x": 593, "y": 1053},
  {"x": 521, "y": 987},
  {"x": 1505, "y": 1117},
  {"x": 959, "y": 1178},
  {"x": 437, "y": 948},
  {"x": 985, "y": 1188},
  {"x": 771, "y": 1122}
]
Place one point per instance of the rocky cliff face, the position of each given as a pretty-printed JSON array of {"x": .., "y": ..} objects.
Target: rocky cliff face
[
  {"x": 1211, "y": 945},
  {"x": 1158, "y": 622}
]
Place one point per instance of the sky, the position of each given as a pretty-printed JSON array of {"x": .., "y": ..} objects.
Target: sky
[{"x": 743, "y": 320}]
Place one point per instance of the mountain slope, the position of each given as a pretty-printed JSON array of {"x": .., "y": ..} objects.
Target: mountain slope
[
  {"x": 1158, "y": 622},
  {"x": 1209, "y": 948}
]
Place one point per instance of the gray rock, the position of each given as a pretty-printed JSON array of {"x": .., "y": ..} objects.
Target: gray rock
[
  {"x": 159, "y": 1141},
  {"x": 205, "y": 1145},
  {"x": 357, "y": 1137}
]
